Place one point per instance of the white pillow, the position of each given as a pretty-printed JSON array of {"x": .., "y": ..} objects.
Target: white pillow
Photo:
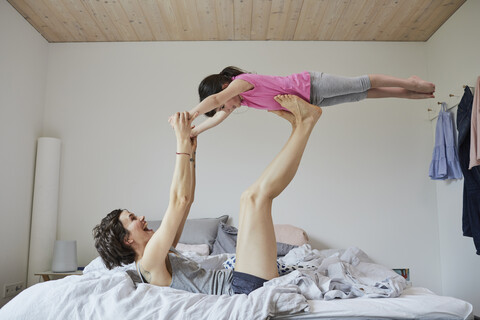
[
  {"x": 201, "y": 249},
  {"x": 97, "y": 265}
]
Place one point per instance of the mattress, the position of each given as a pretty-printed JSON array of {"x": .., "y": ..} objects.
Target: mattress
[{"x": 414, "y": 303}]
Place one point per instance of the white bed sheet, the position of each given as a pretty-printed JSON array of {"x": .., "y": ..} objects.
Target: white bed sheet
[
  {"x": 112, "y": 294},
  {"x": 102, "y": 296}
]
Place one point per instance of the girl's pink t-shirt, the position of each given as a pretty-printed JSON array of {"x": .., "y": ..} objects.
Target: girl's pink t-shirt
[{"x": 267, "y": 87}]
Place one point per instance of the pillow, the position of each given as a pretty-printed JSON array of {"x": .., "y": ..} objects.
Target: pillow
[
  {"x": 226, "y": 241},
  {"x": 287, "y": 233},
  {"x": 197, "y": 231},
  {"x": 201, "y": 249},
  {"x": 97, "y": 265}
]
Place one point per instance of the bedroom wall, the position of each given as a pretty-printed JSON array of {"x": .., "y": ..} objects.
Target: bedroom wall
[
  {"x": 363, "y": 181},
  {"x": 23, "y": 68},
  {"x": 453, "y": 62}
]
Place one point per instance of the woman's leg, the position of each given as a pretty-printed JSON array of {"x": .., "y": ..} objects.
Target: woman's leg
[{"x": 256, "y": 252}]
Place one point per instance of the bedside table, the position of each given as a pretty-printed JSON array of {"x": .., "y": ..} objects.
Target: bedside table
[{"x": 50, "y": 275}]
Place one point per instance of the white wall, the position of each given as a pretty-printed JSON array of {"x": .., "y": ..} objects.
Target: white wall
[
  {"x": 363, "y": 180},
  {"x": 453, "y": 62},
  {"x": 23, "y": 67}
]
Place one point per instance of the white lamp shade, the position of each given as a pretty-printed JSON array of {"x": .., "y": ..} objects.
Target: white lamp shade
[{"x": 64, "y": 256}]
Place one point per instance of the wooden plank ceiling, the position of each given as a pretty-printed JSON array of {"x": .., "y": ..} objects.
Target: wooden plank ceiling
[{"x": 197, "y": 20}]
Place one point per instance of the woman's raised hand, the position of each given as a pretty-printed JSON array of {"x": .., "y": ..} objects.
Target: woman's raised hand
[{"x": 182, "y": 124}]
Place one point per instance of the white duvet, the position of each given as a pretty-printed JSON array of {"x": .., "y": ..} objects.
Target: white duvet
[{"x": 104, "y": 294}]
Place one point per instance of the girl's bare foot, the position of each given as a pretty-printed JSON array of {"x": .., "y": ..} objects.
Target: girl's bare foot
[
  {"x": 302, "y": 110},
  {"x": 419, "y": 85},
  {"x": 419, "y": 95}
]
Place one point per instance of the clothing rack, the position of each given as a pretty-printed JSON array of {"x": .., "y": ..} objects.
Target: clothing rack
[
  {"x": 450, "y": 95},
  {"x": 456, "y": 105}
]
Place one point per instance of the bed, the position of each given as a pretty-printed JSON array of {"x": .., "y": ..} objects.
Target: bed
[{"x": 324, "y": 284}]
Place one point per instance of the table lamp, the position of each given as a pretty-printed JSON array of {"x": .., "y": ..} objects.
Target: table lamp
[{"x": 64, "y": 256}]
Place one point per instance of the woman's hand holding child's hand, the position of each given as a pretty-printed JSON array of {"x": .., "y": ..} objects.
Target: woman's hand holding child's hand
[
  {"x": 170, "y": 119},
  {"x": 182, "y": 124}
]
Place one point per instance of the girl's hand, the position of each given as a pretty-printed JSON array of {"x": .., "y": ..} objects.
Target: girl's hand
[
  {"x": 170, "y": 119},
  {"x": 194, "y": 133}
]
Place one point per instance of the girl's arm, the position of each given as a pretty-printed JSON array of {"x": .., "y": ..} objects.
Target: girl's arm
[
  {"x": 214, "y": 101},
  {"x": 211, "y": 122},
  {"x": 156, "y": 250}
]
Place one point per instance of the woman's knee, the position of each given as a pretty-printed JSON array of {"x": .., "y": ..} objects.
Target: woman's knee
[{"x": 254, "y": 196}]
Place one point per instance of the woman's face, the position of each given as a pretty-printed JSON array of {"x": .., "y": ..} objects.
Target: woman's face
[{"x": 136, "y": 226}]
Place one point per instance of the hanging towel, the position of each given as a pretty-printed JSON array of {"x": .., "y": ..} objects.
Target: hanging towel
[
  {"x": 475, "y": 129},
  {"x": 471, "y": 183},
  {"x": 444, "y": 163}
]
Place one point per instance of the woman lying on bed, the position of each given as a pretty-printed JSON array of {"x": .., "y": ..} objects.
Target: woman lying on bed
[{"x": 122, "y": 237}]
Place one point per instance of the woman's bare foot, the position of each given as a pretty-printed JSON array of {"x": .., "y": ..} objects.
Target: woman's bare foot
[
  {"x": 303, "y": 111},
  {"x": 419, "y": 85}
]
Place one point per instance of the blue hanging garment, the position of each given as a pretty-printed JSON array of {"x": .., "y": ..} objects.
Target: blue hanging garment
[{"x": 444, "y": 163}]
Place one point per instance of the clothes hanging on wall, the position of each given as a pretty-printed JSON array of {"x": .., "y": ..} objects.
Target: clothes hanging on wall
[
  {"x": 471, "y": 184},
  {"x": 475, "y": 129},
  {"x": 444, "y": 163}
]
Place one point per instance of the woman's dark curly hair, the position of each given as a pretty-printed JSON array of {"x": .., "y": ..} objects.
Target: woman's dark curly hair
[
  {"x": 213, "y": 84},
  {"x": 109, "y": 238}
]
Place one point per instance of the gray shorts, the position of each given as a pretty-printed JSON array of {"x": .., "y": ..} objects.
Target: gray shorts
[{"x": 328, "y": 90}]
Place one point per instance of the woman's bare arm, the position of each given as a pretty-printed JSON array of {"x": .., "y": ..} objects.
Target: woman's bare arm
[{"x": 156, "y": 250}]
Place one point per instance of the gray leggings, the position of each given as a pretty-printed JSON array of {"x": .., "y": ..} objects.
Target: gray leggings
[{"x": 328, "y": 90}]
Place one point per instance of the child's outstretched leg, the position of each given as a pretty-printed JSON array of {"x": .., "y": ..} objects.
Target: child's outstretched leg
[
  {"x": 329, "y": 90},
  {"x": 397, "y": 93},
  {"x": 256, "y": 252},
  {"x": 413, "y": 83},
  {"x": 383, "y": 86}
]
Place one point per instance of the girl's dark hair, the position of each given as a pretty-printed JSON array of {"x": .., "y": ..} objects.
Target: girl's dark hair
[
  {"x": 109, "y": 238},
  {"x": 213, "y": 84}
]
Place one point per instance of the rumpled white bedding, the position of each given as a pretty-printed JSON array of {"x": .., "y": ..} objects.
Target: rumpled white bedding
[
  {"x": 338, "y": 274},
  {"x": 112, "y": 294},
  {"x": 104, "y": 296}
]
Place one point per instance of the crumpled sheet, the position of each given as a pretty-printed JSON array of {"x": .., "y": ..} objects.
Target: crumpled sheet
[
  {"x": 105, "y": 296},
  {"x": 338, "y": 274}
]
